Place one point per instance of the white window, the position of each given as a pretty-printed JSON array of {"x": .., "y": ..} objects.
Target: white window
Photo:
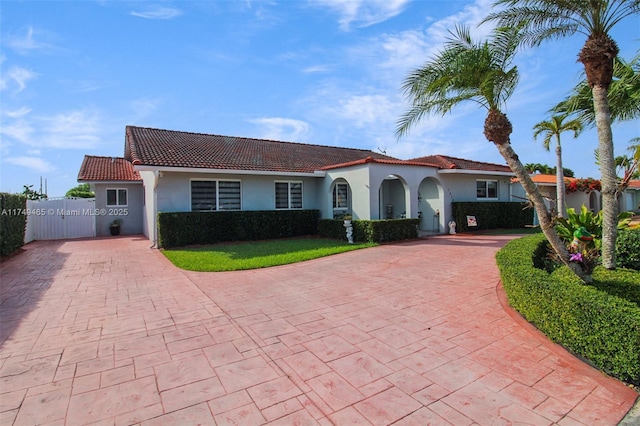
[
  {"x": 340, "y": 196},
  {"x": 487, "y": 189},
  {"x": 212, "y": 195},
  {"x": 288, "y": 195},
  {"x": 116, "y": 197}
]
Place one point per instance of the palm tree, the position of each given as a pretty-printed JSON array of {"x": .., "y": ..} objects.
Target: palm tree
[
  {"x": 544, "y": 169},
  {"x": 623, "y": 94},
  {"x": 540, "y": 20},
  {"x": 479, "y": 72},
  {"x": 550, "y": 129}
]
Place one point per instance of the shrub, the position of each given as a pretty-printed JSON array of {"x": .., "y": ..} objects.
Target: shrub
[
  {"x": 492, "y": 215},
  {"x": 587, "y": 319},
  {"x": 13, "y": 219},
  {"x": 592, "y": 222},
  {"x": 188, "y": 228},
  {"x": 372, "y": 231},
  {"x": 628, "y": 249}
]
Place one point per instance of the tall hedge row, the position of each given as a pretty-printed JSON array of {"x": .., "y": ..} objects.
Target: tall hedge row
[
  {"x": 491, "y": 215},
  {"x": 586, "y": 319},
  {"x": 13, "y": 220},
  {"x": 372, "y": 231},
  {"x": 188, "y": 228}
]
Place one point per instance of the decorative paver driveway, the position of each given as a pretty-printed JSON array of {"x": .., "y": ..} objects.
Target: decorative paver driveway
[{"x": 107, "y": 331}]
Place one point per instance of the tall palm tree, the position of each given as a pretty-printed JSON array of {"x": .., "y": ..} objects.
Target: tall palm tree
[
  {"x": 540, "y": 20},
  {"x": 550, "y": 129},
  {"x": 623, "y": 94},
  {"x": 479, "y": 72}
]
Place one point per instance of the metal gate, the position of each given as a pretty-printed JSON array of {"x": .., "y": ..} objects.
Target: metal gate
[{"x": 60, "y": 218}]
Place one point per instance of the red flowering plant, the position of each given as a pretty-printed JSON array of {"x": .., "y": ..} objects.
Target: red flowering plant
[{"x": 585, "y": 185}]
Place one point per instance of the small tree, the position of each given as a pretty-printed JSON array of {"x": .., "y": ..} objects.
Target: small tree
[
  {"x": 550, "y": 129},
  {"x": 81, "y": 191},
  {"x": 32, "y": 194}
]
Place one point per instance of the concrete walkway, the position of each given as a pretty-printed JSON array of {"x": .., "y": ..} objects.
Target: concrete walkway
[{"x": 107, "y": 331}]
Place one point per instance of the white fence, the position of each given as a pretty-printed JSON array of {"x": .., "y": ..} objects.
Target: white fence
[{"x": 60, "y": 218}]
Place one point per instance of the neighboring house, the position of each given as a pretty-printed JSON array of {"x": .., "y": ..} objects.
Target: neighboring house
[
  {"x": 630, "y": 200},
  {"x": 171, "y": 171},
  {"x": 576, "y": 199}
]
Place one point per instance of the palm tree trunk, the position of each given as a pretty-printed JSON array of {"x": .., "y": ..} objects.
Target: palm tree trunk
[
  {"x": 559, "y": 180},
  {"x": 546, "y": 224},
  {"x": 608, "y": 178}
]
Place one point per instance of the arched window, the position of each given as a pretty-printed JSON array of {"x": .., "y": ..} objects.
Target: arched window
[{"x": 341, "y": 195}]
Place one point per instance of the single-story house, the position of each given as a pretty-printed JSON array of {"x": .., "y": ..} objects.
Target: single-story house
[
  {"x": 631, "y": 197},
  {"x": 173, "y": 171},
  {"x": 592, "y": 199},
  {"x": 573, "y": 199}
]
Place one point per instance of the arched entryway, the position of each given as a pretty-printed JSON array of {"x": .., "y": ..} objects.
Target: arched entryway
[
  {"x": 431, "y": 205},
  {"x": 394, "y": 196}
]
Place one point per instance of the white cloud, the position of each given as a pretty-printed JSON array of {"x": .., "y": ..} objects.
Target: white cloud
[
  {"x": 35, "y": 164},
  {"x": 72, "y": 130},
  {"x": 366, "y": 110},
  {"x": 25, "y": 43},
  {"x": 18, "y": 76},
  {"x": 144, "y": 107},
  {"x": 157, "y": 12},
  {"x": 471, "y": 16},
  {"x": 317, "y": 69},
  {"x": 282, "y": 129},
  {"x": 363, "y": 13},
  {"x": 78, "y": 129},
  {"x": 17, "y": 113},
  {"x": 19, "y": 130},
  {"x": 405, "y": 50}
]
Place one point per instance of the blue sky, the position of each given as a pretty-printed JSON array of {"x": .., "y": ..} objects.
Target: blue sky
[{"x": 328, "y": 72}]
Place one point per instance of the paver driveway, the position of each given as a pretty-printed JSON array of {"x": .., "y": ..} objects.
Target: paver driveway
[{"x": 107, "y": 331}]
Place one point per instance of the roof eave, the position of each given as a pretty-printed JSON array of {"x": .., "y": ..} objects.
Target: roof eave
[
  {"x": 143, "y": 168},
  {"x": 138, "y": 181},
  {"x": 475, "y": 172}
]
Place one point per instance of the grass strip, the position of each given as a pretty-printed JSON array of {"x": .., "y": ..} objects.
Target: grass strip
[{"x": 256, "y": 254}]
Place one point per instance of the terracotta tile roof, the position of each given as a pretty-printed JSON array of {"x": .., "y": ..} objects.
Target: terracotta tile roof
[
  {"x": 107, "y": 169},
  {"x": 538, "y": 178},
  {"x": 634, "y": 184},
  {"x": 167, "y": 148},
  {"x": 378, "y": 161},
  {"x": 447, "y": 162},
  {"x": 549, "y": 179}
]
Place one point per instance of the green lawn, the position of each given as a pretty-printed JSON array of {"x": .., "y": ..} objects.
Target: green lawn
[{"x": 256, "y": 254}]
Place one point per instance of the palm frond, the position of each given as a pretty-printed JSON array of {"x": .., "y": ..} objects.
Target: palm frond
[{"x": 465, "y": 70}]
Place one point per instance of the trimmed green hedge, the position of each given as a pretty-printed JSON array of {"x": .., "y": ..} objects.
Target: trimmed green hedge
[
  {"x": 586, "y": 319},
  {"x": 188, "y": 228},
  {"x": 628, "y": 249},
  {"x": 13, "y": 220},
  {"x": 491, "y": 215},
  {"x": 372, "y": 231}
]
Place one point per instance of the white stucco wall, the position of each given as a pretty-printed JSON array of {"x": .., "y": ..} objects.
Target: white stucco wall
[
  {"x": 257, "y": 192},
  {"x": 374, "y": 185},
  {"x": 412, "y": 190},
  {"x": 149, "y": 211},
  {"x": 463, "y": 186}
]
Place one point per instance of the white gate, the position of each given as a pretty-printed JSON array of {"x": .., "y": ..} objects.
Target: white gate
[{"x": 60, "y": 218}]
